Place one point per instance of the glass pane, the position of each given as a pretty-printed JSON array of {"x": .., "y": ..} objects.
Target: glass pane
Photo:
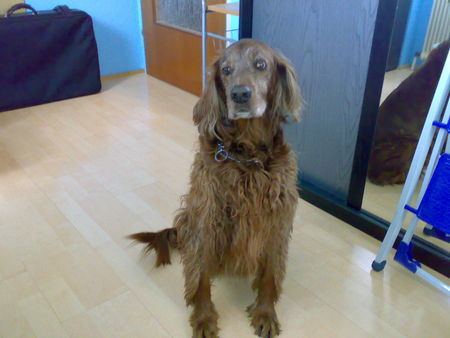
[{"x": 184, "y": 14}]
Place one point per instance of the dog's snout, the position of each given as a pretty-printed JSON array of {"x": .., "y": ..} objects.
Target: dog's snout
[{"x": 241, "y": 94}]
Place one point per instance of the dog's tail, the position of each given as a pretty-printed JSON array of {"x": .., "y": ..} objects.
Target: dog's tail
[{"x": 160, "y": 241}]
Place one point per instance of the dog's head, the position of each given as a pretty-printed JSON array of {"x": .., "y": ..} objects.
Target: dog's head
[{"x": 249, "y": 80}]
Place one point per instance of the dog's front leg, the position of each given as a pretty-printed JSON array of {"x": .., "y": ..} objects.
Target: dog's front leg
[
  {"x": 204, "y": 316},
  {"x": 262, "y": 312}
]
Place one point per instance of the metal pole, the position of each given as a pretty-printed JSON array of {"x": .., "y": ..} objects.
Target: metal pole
[
  {"x": 217, "y": 36},
  {"x": 447, "y": 148},
  {"x": 204, "y": 35}
]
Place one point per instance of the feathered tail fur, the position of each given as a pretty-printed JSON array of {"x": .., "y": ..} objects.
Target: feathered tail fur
[{"x": 160, "y": 241}]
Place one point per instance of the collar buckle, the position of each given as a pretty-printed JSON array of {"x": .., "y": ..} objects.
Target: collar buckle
[{"x": 221, "y": 153}]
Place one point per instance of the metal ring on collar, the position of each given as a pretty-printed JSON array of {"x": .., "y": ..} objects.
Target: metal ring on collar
[{"x": 221, "y": 155}]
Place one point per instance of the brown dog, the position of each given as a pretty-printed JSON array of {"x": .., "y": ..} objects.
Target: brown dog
[
  {"x": 237, "y": 216},
  {"x": 401, "y": 118}
]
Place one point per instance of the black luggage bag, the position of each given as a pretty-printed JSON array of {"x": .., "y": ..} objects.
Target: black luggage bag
[{"x": 46, "y": 56}]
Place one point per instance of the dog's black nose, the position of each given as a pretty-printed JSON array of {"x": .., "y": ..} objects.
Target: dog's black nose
[{"x": 241, "y": 94}]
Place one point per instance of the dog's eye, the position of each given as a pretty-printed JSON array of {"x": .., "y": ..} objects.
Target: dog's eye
[
  {"x": 260, "y": 64},
  {"x": 226, "y": 70}
]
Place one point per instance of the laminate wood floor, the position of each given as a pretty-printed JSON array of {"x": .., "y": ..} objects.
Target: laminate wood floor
[{"x": 79, "y": 175}]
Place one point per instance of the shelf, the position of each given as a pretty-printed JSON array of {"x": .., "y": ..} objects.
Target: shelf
[
  {"x": 221, "y": 37},
  {"x": 231, "y": 8}
]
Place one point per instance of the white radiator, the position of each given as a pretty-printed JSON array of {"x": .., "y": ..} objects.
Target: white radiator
[{"x": 438, "y": 27}]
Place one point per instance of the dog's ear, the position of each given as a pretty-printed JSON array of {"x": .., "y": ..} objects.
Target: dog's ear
[
  {"x": 287, "y": 98},
  {"x": 211, "y": 105}
]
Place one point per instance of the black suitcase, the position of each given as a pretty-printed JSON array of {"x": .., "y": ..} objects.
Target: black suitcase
[{"x": 46, "y": 56}]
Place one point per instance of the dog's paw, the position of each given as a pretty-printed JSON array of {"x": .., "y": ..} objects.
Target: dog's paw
[
  {"x": 265, "y": 323},
  {"x": 205, "y": 329},
  {"x": 204, "y": 324}
]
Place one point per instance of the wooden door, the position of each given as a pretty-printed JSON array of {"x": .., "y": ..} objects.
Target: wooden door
[
  {"x": 173, "y": 41},
  {"x": 6, "y": 4}
]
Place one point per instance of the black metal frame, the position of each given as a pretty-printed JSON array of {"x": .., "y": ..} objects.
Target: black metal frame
[
  {"x": 245, "y": 19},
  {"x": 369, "y": 111},
  {"x": 398, "y": 33},
  {"x": 350, "y": 211}
]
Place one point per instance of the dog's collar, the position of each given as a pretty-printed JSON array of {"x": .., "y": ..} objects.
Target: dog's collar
[{"x": 223, "y": 154}]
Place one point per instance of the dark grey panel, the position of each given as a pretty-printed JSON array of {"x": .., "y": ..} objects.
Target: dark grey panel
[{"x": 329, "y": 43}]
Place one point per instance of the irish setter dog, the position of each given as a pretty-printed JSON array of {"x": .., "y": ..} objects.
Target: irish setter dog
[
  {"x": 237, "y": 216},
  {"x": 401, "y": 118}
]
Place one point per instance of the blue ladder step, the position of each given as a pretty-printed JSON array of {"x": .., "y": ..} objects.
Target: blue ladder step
[
  {"x": 442, "y": 125},
  {"x": 435, "y": 206},
  {"x": 439, "y": 234}
]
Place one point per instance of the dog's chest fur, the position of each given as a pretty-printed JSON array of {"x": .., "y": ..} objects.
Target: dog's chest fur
[{"x": 252, "y": 206}]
